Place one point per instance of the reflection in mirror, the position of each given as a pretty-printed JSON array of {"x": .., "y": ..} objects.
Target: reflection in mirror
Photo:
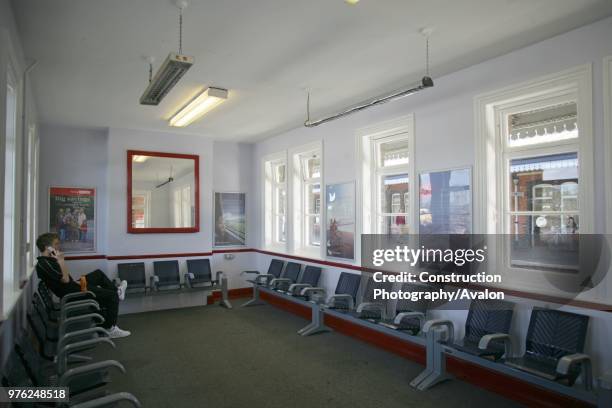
[{"x": 163, "y": 192}]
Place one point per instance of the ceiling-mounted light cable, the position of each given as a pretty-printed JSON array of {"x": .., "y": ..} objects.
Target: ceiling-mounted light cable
[
  {"x": 426, "y": 82},
  {"x": 181, "y": 30},
  {"x": 171, "y": 70}
]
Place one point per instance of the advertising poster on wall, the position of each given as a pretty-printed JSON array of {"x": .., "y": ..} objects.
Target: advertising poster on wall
[
  {"x": 72, "y": 215},
  {"x": 230, "y": 219},
  {"x": 341, "y": 220}
]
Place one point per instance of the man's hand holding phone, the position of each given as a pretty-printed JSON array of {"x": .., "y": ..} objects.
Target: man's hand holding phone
[{"x": 55, "y": 253}]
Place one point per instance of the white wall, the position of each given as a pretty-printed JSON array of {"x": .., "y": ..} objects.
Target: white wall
[
  {"x": 97, "y": 158},
  {"x": 122, "y": 243},
  {"x": 444, "y": 120},
  {"x": 444, "y": 114},
  {"x": 74, "y": 157}
]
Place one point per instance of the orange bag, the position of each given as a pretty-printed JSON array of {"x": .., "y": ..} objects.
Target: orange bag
[{"x": 83, "y": 282}]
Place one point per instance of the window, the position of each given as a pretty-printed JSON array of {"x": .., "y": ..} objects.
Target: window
[
  {"x": 534, "y": 146},
  {"x": 140, "y": 209},
  {"x": 280, "y": 202},
  {"x": 306, "y": 200},
  {"x": 392, "y": 169},
  {"x": 32, "y": 198},
  {"x": 275, "y": 201},
  {"x": 387, "y": 159},
  {"x": 311, "y": 182},
  {"x": 182, "y": 207},
  {"x": 607, "y": 74},
  {"x": 9, "y": 283}
]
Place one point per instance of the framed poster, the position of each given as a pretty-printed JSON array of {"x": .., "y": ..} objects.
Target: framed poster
[
  {"x": 340, "y": 217},
  {"x": 445, "y": 202},
  {"x": 72, "y": 215},
  {"x": 230, "y": 219}
]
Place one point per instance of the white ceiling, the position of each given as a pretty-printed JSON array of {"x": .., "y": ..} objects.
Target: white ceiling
[{"x": 91, "y": 70}]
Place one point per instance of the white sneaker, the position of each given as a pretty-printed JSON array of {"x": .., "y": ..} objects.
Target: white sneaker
[
  {"x": 121, "y": 289},
  {"x": 115, "y": 332}
]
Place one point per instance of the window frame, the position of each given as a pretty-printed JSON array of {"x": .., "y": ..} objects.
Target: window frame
[
  {"x": 277, "y": 188},
  {"x": 300, "y": 242},
  {"x": 368, "y": 141},
  {"x": 11, "y": 276},
  {"x": 607, "y": 81},
  {"x": 491, "y": 184},
  {"x": 270, "y": 212},
  {"x": 31, "y": 173}
]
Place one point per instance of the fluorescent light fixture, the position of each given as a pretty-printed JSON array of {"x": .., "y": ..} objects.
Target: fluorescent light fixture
[
  {"x": 168, "y": 74},
  {"x": 351, "y": 2},
  {"x": 139, "y": 159},
  {"x": 206, "y": 101}
]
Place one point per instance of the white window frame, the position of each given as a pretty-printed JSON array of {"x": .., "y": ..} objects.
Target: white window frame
[
  {"x": 277, "y": 189},
  {"x": 307, "y": 184},
  {"x": 271, "y": 188},
  {"x": 368, "y": 141},
  {"x": 491, "y": 183},
  {"x": 607, "y": 74},
  {"x": 297, "y": 209},
  {"x": 31, "y": 198},
  {"x": 11, "y": 275}
]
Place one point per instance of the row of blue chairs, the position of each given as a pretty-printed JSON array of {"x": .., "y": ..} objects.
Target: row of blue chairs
[
  {"x": 554, "y": 344},
  {"x": 166, "y": 275}
]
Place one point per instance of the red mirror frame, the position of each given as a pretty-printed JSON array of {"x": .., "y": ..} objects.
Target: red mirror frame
[{"x": 196, "y": 227}]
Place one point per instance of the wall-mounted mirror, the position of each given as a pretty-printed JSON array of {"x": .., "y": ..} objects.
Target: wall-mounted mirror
[{"x": 163, "y": 192}]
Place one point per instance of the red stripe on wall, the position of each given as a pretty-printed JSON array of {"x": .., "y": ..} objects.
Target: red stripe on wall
[
  {"x": 84, "y": 257},
  {"x": 509, "y": 292},
  {"x": 149, "y": 256}
]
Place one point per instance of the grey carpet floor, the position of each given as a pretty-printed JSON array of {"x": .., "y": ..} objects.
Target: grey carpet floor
[{"x": 252, "y": 357}]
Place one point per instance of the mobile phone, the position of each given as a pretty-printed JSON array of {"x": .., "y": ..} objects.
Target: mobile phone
[{"x": 52, "y": 251}]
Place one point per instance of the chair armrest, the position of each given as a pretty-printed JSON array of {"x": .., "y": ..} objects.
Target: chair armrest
[
  {"x": 153, "y": 282},
  {"x": 62, "y": 355},
  {"x": 94, "y": 318},
  {"x": 78, "y": 333},
  {"x": 372, "y": 306},
  {"x": 263, "y": 276},
  {"x": 249, "y": 272},
  {"x": 417, "y": 315},
  {"x": 351, "y": 302},
  {"x": 309, "y": 291},
  {"x": 297, "y": 286},
  {"x": 76, "y": 295},
  {"x": 565, "y": 363},
  {"x": 483, "y": 344},
  {"x": 81, "y": 302},
  {"x": 187, "y": 278},
  {"x": 430, "y": 324},
  {"x": 66, "y": 378},
  {"x": 218, "y": 276},
  {"x": 81, "y": 306},
  {"x": 274, "y": 282},
  {"x": 108, "y": 400}
]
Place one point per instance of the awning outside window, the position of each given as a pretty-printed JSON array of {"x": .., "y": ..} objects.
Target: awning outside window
[
  {"x": 558, "y": 119},
  {"x": 555, "y": 161}
]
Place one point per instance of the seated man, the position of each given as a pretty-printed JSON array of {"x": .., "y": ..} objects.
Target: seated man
[{"x": 51, "y": 269}]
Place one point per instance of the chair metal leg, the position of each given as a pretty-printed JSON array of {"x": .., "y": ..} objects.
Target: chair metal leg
[
  {"x": 255, "y": 300},
  {"x": 317, "y": 324},
  {"x": 224, "y": 295},
  {"x": 435, "y": 372}
]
